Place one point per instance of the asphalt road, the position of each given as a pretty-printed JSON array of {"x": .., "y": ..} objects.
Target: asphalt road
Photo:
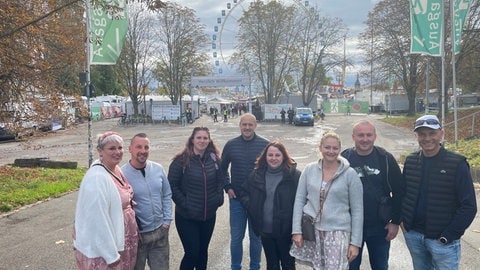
[{"x": 39, "y": 236}]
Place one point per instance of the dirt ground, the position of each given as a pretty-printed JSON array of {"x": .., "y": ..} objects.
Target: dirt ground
[
  {"x": 168, "y": 139},
  {"x": 39, "y": 237}
]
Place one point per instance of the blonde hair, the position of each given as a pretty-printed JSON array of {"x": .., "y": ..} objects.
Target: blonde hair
[{"x": 330, "y": 134}]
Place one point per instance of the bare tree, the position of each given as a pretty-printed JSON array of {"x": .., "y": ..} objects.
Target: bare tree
[
  {"x": 318, "y": 38},
  {"x": 268, "y": 36},
  {"x": 386, "y": 42},
  {"x": 134, "y": 66},
  {"x": 182, "y": 43},
  {"x": 468, "y": 61},
  {"x": 386, "y": 45}
]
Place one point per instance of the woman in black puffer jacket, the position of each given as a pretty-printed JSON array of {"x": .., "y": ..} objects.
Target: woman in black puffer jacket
[
  {"x": 269, "y": 195},
  {"x": 197, "y": 190}
]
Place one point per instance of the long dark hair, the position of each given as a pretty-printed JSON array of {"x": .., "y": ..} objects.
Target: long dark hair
[
  {"x": 288, "y": 163},
  {"x": 187, "y": 152}
]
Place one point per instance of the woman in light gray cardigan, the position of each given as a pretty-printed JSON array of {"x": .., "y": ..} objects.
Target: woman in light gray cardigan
[{"x": 330, "y": 192}]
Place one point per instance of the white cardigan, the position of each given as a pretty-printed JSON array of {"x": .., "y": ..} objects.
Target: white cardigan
[{"x": 99, "y": 222}]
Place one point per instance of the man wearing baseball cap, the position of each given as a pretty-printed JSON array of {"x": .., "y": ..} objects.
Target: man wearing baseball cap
[{"x": 439, "y": 202}]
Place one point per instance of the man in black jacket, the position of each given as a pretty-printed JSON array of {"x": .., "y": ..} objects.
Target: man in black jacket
[
  {"x": 240, "y": 154},
  {"x": 383, "y": 189},
  {"x": 439, "y": 202}
]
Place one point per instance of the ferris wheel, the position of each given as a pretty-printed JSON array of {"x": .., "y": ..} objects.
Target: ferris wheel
[{"x": 224, "y": 37}]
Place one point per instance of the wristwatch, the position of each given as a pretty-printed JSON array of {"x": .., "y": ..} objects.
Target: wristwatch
[{"x": 443, "y": 240}]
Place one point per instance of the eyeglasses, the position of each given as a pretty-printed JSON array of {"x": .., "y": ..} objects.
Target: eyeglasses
[{"x": 427, "y": 121}]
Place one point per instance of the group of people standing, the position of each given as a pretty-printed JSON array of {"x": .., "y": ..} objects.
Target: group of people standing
[
  {"x": 226, "y": 112},
  {"x": 352, "y": 197}
]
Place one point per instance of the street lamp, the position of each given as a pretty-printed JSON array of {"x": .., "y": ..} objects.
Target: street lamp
[
  {"x": 249, "y": 93},
  {"x": 371, "y": 68}
]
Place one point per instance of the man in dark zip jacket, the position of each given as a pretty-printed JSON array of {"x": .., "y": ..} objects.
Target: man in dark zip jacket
[
  {"x": 240, "y": 154},
  {"x": 439, "y": 202}
]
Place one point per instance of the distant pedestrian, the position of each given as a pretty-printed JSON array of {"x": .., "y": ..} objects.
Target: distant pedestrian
[
  {"x": 282, "y": 115},
  {"x": 439, "y": 202},
  {"x": 225, "y": 114},
  {"x": 322, "y": 114},
  {"x": 153, "y": 204},
  {"x": 290, "y": 114},
  {"x": 215, "y": 115}
]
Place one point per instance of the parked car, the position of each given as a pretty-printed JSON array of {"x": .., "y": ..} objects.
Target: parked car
[
  {"x": 303, "y": 116},
  {"x": 6, "y": 134}
]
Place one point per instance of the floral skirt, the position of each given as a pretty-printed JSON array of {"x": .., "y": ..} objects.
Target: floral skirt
[{"x": 328, "y": 252}]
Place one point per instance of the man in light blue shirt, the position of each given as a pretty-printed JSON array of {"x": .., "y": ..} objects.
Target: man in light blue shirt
[{"x": 153, "y": 204}]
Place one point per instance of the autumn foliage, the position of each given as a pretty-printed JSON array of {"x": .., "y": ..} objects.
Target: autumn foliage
[{"x": 42, "y": 50}]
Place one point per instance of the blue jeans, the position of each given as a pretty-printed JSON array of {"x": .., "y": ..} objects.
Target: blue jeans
[
  {"x": 429, "y": 254},
  {"x": 238, "y": 224},
  {"x": 378, "y": 248}
]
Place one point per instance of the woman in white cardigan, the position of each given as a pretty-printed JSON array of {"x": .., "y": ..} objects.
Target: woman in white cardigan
[
  {"x": 329, "y": 191},
  {"x": 105, "y": 232}
]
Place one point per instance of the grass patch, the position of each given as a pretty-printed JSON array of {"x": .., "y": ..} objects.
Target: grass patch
[
  {"x": 470, "y": 149},
  {"x": 23, "y": 186}
]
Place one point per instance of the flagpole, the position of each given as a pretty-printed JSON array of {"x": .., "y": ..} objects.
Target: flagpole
[
  {"x": 454, "y": 83},
  {"x": 87, "y": 84},
  {"x": 442, "y": 55},
  {"x": 427, "y": 86}
]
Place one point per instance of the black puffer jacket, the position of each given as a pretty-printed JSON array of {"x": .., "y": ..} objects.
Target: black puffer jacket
[
  {"x": 252, "y": 196},
  {"x": 445, "y": 213},
  {"x": 197, "y": 190}
]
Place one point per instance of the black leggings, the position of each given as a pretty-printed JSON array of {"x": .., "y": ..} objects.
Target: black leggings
[{"x": 195, "y": 236}]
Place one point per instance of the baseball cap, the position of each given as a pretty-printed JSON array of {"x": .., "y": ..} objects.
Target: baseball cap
[{"x": 428, "y": 121}]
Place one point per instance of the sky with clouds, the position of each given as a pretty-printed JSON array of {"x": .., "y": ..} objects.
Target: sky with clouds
[{"x": 352, "y": 12}]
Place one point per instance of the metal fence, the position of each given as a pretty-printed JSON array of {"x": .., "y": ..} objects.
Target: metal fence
[{"x": 468, "y": 127}]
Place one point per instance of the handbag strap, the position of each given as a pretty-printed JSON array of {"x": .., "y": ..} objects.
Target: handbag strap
[
  {"x": 329, "y": 184},
  {"x": 120, "y": 181}
]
